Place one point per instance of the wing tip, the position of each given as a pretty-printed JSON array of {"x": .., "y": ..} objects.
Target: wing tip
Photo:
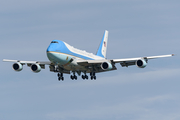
[
  {"x": 173, "y": 54},
  {"x": 4, "y": 60}
]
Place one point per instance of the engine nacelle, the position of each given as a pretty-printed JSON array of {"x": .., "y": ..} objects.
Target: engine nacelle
[
  {"x": 106, "y": 66},
  {"x": 141, "y": 63},
  {"x": 36, "y": 68},
  {"x": 17, "y": 66}
]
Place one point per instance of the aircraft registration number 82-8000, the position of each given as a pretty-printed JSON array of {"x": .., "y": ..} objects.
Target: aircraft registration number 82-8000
[{"x": 65, "y": 59}]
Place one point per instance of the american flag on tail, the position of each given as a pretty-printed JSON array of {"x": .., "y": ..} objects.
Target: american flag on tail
[{"x": 104, "y": 44}]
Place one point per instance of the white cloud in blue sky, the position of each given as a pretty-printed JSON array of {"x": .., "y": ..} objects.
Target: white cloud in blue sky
[{"x": 136, "y": 28}]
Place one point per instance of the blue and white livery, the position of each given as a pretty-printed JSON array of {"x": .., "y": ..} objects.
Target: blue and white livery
[{"x": 64, "y": 58}]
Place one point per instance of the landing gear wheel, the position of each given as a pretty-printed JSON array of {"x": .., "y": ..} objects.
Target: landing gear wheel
[
  {"x": 83, "y": 77},
  {"x": 86, "y": 77},
  {"x": 93, "y": 75},
  {"x": 58, "y": 74},
  {"x": 72, "y": 77}
]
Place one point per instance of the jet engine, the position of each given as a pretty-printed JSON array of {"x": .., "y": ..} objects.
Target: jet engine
[
  {"x": 141, "y": 63},
  {"x": 106, "y": 66},
  {"x": 36, "y": 68},
  {"x": 17, "y": 66}
]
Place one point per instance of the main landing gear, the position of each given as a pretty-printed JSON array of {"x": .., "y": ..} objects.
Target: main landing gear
[
  {"x": 73, "y": 76},
  {"x": 60, "y": 76},
  {"x": 93, "y": 75},
  {"x": 84, "y": 77}
]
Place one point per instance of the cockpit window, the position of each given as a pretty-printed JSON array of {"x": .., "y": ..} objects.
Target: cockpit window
[{"x": 54, "y": 42}]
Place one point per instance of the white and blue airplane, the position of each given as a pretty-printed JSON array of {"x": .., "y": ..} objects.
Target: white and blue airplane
[{"x": 67, "y": 59}]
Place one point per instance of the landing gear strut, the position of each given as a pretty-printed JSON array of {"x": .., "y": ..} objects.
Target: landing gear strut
[
  {"x": 60, "y": 76},
  {"x": 93, "y": 75}
]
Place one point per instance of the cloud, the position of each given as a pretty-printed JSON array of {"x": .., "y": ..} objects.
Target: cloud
[
  {"x": 134, "y": 108},
  {"x": 138, "y": 106}
]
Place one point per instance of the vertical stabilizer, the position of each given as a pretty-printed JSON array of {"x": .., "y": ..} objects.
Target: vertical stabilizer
[{"x": 103, "y": 46}]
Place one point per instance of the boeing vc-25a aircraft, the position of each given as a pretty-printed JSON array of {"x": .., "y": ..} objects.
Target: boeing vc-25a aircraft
[{"x": 67, "y": 59}]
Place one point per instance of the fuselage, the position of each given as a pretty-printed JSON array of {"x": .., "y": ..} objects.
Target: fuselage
[{"x": 64, "y": 55}]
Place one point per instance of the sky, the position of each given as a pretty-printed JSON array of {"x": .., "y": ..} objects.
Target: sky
[{"x": 137, "y": 28}]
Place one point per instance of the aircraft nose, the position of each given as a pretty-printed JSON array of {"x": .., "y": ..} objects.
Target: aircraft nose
[
  {"x": 50, "y": 48},
  {"x": 53, "y": 46}
]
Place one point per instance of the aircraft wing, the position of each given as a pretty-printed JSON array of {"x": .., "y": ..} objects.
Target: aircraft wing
[
  {"x": 95, "y": 65},
  {"x": 29, "y": 63},
  {"x": 41, "y": 63},
  {"x": 124, "y": 62},
  {"x": 132, "y": 61}
]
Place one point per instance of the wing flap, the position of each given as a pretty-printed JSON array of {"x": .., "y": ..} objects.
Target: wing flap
[
  {"x": 90, "y": 62},
  {"x": 95, "y": 65},
  {"x": 126, "y": 64}
]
